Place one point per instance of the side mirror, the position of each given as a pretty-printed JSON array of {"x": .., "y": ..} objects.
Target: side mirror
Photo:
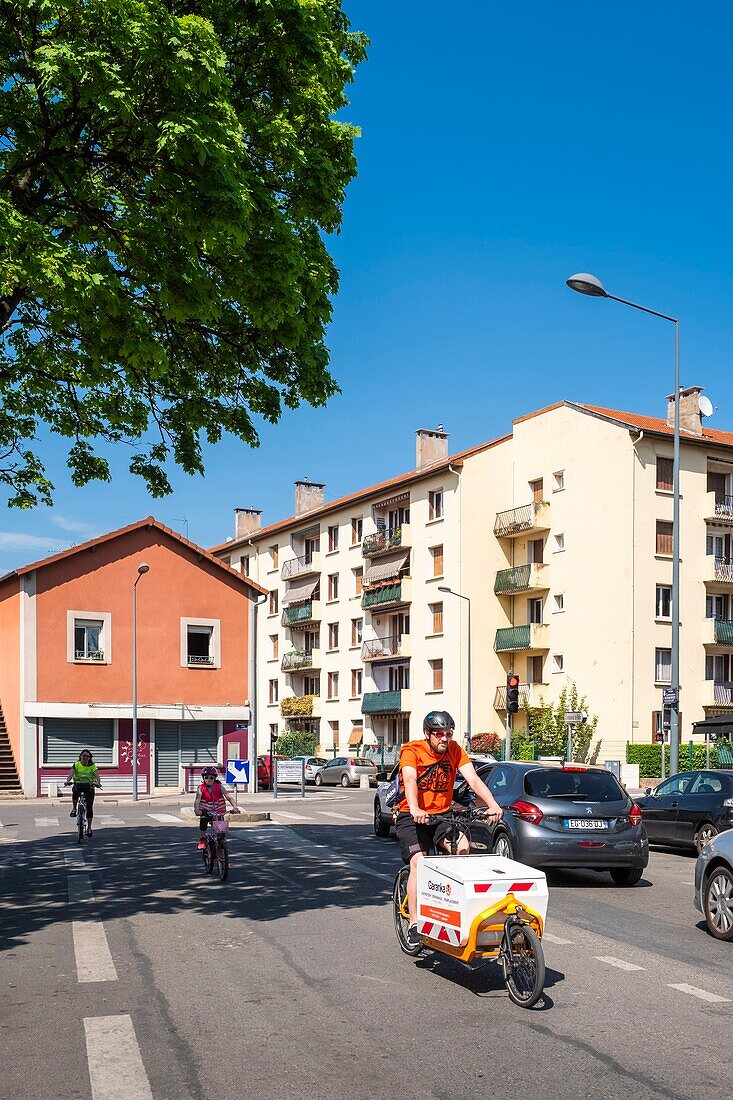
[{"x": 648, "y": 791}]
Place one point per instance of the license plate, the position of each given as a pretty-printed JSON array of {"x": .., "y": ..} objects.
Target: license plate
[{"x": 584, "y": 823}]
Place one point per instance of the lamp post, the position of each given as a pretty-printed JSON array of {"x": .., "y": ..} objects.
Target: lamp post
[
  {"x": 444, "y": 588},
  {"x": 584, "y": 283},
  {"x": 142, "y": 568},
  {"x": 253, "y": 694}
]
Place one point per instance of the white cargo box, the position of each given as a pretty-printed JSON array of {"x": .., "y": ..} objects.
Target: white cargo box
[{"x": 453, "y": 890}]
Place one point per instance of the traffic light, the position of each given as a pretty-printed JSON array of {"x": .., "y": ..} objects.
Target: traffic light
[
  {"x": 659, "y": 737},
  {"x": 512, "y": 693}
]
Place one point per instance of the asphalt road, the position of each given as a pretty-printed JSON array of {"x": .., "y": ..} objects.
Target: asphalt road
[{"x": 127, "y": 975}]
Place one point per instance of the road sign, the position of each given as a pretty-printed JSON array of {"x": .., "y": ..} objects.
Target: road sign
[
  {"x": 575, "y": 717},
  {"x": 237, "y": 772},
  {"x": 669, "y": 697},
  {"x": 289, "y": 771}
]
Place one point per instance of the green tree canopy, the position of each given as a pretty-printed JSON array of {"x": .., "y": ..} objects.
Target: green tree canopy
[
  {"x": 168, "y": 171},
  {"x": 546, "y": 728}
]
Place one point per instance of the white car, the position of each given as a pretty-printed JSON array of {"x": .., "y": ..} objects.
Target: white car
[{"x": 312, "y": 766}]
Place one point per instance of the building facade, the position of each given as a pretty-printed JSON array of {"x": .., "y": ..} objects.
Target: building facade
[{"x": 66, "y": 643}]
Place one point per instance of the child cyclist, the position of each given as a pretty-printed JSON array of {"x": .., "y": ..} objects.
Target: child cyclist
[{"x": 211, "y": 800}]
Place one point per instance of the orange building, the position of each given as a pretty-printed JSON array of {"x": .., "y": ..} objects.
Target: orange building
[{"x": 66, "y": 646}]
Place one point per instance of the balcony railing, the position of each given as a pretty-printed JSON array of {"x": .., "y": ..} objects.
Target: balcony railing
[
  {"x": 520, "y": 579},
  {"x": 385, "y": 540},
  {"x": 194, "y": 659},
  {"x": 300, "y": 567},
  {"x": 381, "y": 702},
  {"x": 298, "y": 659},
  {"x": 299, "y": 613},
  {"x": 529, "y": 636},
  {"x": 723, "y": 693},
  {"x": 724, "y": 631},
  {"x": 91, "y": 655},
  {"x": 297, "y": 706},
  {"x": 724, "y": 505},
  {"x": 525, "y": 696},
  {"x": 517, "y": 521},
  {"x": 378, "y": 649},
  {"x": 379, "y": 597},
  {"x": 723, "y": 572}
]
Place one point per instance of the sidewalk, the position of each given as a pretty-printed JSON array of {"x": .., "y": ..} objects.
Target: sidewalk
[{"x": 261, "y": 800}]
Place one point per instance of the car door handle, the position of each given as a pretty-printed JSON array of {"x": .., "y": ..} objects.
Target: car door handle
[{"x": 674, "y": 803}]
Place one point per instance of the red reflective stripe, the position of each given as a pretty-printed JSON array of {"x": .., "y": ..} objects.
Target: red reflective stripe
[
  {"x": 443, "y": 935},
  {"x": 482, "y": 887},
  {"x": 427, "y": 928},
  {"x": 516, "y": 886}
]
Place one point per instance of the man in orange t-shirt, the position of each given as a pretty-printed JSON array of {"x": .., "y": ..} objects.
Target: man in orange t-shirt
[{"x": 427, "y": 775}]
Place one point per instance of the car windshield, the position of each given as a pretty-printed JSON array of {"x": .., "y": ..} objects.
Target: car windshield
[{"x": 574, "y": 786}]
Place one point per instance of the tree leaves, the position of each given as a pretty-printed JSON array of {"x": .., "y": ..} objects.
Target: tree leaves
[{"x": 167, "y": 174}]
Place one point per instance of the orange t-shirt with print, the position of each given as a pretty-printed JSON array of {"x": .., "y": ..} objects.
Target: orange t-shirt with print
[{"x": 434, "y": 791}]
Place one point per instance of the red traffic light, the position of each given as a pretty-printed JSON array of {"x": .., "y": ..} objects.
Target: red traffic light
[{"x": 512, "y": 680}]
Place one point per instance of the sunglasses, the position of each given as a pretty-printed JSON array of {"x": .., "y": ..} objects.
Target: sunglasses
[{"x": 447, "y": 734}]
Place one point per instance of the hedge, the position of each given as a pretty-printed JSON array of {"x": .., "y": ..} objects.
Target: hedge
[{"x": 649, "y": 758}]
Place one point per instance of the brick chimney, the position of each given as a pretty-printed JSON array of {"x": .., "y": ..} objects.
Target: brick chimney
[
  {"x": 432, "y": 446},
  {"x": 308, "y": 495},
  {"x": 690, "y": 418},
  {"x": 246, "y": 521}
]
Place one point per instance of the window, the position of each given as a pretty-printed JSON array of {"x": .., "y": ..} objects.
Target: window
[
  {"x": 311, "y": 546},
  {"x": 358, "y": 580},
  {"x": 356, "y": 674},
  {"x": 398, "y": 678},
  {"x": 274, "y": 646},
  {"x": 664, "y": 601},
  {"x": 558, "y": 481},
  {"x": 436, "y": 668},
  {"x": 333, "y": 685},
  {"x": 357, "y": 528},
  {"x": 558, "y": 662},
  {"x": 200, "y": 643},
  {"x": 436, "y": 610},
  {"x": 333, "y": 538},
  {"x": 664, "y": 538},
  {"x": 88, "y": 640},
  {"x": 719, "y": 668},
  {"x": 333, "y": 635},
  {"x": 273, "y": 732},
  {"x": 536, "y": 488},
  {"x": 311, "y": 640},
  {"x": 357, "y": 627},
  {"x": 275, "y": 555},
  {"x": 334, "y": 727},
  {"x": 436, "y": 552},
  {"x": 663, "y": 666},
  {"x": 717, "y": 607},
  {"x": 311, "y": 685},
  {"x": 535, "y": 551},
  {"x": 435, "y": 504},
  {"x": 534, "y": 670},
  {"x": 559, "y": 602},
  {"x": 244, "y": 565},
  {"x": 274, "y": 691},
  {"x": 665, "y": 470},
  {"x": 534, "y": 611},
  {"x": 559, "y": 542},
  {"x": 333, "y": 586},
  {"x": 357, "y": 731},
  {"x": 273, "y": 603}
]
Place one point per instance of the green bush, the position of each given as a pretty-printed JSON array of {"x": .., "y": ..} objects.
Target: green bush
[
  {"x": 649, "y": 758},
  {"x": 295, "y": 743}
]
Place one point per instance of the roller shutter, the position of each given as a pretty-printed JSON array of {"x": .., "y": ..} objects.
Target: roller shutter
[
  {"x": 182, "y": 743},
  {"x": 64, "y": 738}
]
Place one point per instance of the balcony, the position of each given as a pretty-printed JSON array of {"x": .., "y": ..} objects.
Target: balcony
[
  {"x": 721, "y": 571},
  {"x": 530, "y": 636},
  {"x": 526, "y": 520},
  {"x": 719, "y": 632},
  {"x": 385, "y": 702},
  {"x": 718, "y": 693},
  {"x": 382, "y": 541},
  {"x": 529, "y": 695},
  {"x": 384, "y": 649},
  {"x": 523, "y": 578},
  {"x": 297, "y": 660},
  {"x": 391, "y": 595},
  {"x": 300, "y": 615},
  {"x": 97, "y": 655},
  {"x": 719, "y": 508},
  {"x": 300, "y": 706},
  {"x": 300, "y": 567}
]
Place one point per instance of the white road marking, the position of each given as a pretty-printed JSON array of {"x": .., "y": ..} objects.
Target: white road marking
[
  {"x": 104, "y": 819},
  {"x": 555, "y": 939},
  {"x": 166, "y": 819},
  {"x": 93, "y": 959},
  {"x": 73, "y": 857},
  {"x": 46, "y": 822},
  {"x": 703, "y": 994},
  {"x": 116, "y": 1070},
  {"x": 281, "y": 834},
  {"x": 332, "y": 813},
  {"x": 294, "y": 817},
  {"x": 620, "y": 963},
  {"x": 187, "y": 811},
  {"x": 80, "y": 889}
]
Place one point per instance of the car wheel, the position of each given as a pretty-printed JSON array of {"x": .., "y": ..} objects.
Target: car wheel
[
  {"x": 345, "y": 781},
  {"x": 704, "y": 834},
  {"x": 718, "y": 903},
  {"x": 627, "y": 876},
  {"x": 503, "y": 846},
  {"x": 381, "y": 827},
  {"x": 318, "y": 780}
]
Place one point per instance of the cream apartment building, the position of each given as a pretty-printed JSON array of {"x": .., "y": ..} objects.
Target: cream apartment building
[{"x": 560, "y": 536}]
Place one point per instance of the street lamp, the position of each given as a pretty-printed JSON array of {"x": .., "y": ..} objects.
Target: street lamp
[
  {"x": 142, "y": 568},
  {"x": 444, "y": 588},
  {"x": 587, "y": 284},
  {"x": 253, "y": 695}
]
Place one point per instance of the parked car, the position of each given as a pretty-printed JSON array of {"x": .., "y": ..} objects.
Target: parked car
[
  {"x": 312, "y": 765},
  {"x": 689, "y": 809},
  {"x": 264, "y": 770},
  {"x": 714, "y": 885},
  {"x": 346, "y": 770},
  {"x": 383, "y": 817}
]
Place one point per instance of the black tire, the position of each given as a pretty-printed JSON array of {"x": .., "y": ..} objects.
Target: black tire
[
  {"x": 525, "y": 979},
  {"x": 81, "y": 824},
  {"x": 221, "y": 861},
  {"x": 704, "y": 833},
  {"x": 345, "y": 781},
  {"x": 502, "y": 845},
  {"x": 626, "y": 876},
  {"x": 399, "y": 893},
  {"x": 718, "y": 903},
  {"x": 318, "y": 781},
  {"x": 208, "y": 859},
  {"x": 381, "y": 827}
]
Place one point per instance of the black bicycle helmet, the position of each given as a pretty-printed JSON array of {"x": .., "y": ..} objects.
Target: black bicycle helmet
[{"x": 438, "y": 720}]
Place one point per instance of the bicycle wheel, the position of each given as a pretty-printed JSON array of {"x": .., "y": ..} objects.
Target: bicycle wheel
[
  {"x": 207, "y": 857},
  {"x": 525, "y": 976},
  {"x": 221, "y": 862},
  {"x": 401, "y": 922},
  {"x": 81, "y": 820}
]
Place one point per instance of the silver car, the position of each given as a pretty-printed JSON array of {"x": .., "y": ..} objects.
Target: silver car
[
  {"x": 714, "y": 885},
  {"x": 311, "y": 766},
  {"x": 347, "y": 770}
]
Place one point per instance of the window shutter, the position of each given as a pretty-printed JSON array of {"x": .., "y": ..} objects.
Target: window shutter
[{"x": 64, "y": 738}]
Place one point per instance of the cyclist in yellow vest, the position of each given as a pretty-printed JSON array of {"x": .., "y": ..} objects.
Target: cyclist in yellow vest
[{"x": 84, "y": 776}]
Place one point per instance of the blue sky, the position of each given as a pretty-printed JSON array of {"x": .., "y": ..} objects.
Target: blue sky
[{"x": 504, "y": 147}]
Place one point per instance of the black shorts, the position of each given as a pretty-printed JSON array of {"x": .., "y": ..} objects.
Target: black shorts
[{"x": 416, "y": 838}]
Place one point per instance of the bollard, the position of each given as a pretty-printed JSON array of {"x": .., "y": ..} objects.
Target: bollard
[{"x": 364, "y": 783}]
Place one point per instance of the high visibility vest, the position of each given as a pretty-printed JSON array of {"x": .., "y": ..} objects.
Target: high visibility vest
[{"x": 84, "y": 773}]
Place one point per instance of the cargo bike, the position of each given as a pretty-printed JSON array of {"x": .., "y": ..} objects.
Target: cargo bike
[{"x": 479, "y": 909}]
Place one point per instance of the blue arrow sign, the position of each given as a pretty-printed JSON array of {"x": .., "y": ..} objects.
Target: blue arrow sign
[{"x": 237, "y": 772}]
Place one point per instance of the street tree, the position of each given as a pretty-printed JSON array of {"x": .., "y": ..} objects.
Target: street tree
[
  {"x": 168, "y": 173},
  {"x": 547, "y": 730}
]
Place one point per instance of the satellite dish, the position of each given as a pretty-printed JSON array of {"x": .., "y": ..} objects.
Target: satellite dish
[{"x": 706, "y": 406}]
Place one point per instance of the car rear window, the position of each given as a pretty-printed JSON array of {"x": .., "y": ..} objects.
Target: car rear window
[
  {"x": 576, "y": 786},
  {"x": 362, "y": 763},
  {"x": 320, "y": 760}
]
